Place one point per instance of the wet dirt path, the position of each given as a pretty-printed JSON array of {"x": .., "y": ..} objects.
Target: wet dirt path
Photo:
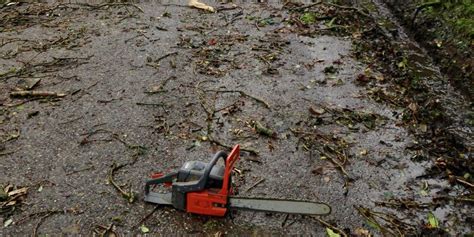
[{"x": 152, "y": 86}]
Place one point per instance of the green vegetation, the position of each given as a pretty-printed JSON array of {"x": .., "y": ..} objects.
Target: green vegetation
[
  {"x": 457, "y": 15},
  {"x": 446, "y": 29}
]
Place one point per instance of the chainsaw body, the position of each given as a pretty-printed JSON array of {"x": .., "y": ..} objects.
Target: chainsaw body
[
  {"x": 206, "y": 189},
  {"x": 197, "y": 187}
]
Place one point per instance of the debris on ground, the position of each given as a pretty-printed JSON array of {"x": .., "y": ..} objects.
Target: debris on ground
[
  {"x": 335, "y": 99},
  {"x": 200, "y": 5},
  {"x": 11, "y": 197}
]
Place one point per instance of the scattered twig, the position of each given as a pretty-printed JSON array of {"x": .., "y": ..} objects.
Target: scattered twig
[
  {"x": 150, "y": 104},
  {"x": 407, "y": 204},
  {"x": 109, "y": 5},
  {"x": 165, "y": 56},
  {"x": 7, "y": 153},
  {"x": 156, "y": 63},
  {"x": 161, "y": 28},
  {"x": 108, "y": 230},
  {"x": 160, "y": 88},
  {"x": 21, "y": 102},
  {"x": 330, "y": 226},
  {"x": 243, "y": 93},
  {"x": 254, "y": 159},
  {"x": 86, "y": 140},
  {"x": 45, "y": 214},
  {"x": 146, "y": 217},
  {"x": 332, "y": 5},
  {"x": 80, "y": 170},
  {"x": 225, "y": 8},
  {"x": 138, "y": 150},
  {"x": 264, "y": 59},
  {"x": 41, "y": 220},
  {"x": 465, "y": 183},
  {"x": 285, "y": 219},
  {"x": 72, "y": 120},
  {"x": 458, "y": 199},
  {"x": 348, "y": 8},
  {"x": 255, "y": 184},
  {"x": 393, "y": 226},
  {"x": 130, "y": 196},
  {"x": 339, "y": 165},
  {"x": 250, "y": 150},
  {"x": 18, "y": 94},
  {"x": 306, "y": 6}
]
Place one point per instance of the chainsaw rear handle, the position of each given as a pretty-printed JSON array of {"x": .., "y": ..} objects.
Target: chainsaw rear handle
[{"x": 163, "y": 179}]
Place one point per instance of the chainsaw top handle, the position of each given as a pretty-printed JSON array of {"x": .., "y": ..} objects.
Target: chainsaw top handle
[
  {"x": 185, "y": 194},
  {"x": 229, "y": 160},
  {"x": 200, "y": 184}
]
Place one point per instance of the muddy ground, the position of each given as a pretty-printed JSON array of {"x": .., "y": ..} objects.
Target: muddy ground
[{"x": 144, "y": 87}]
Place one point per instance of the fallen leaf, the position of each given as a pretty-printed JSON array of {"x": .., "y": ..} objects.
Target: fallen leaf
[
  {"x": 359, "y": 231},
  {"x": 433, "y": 222},
  {"x": 10, "y": 203},
  {"x": 18, "y": 191},
  {"x": 331, "y": 233},
  {"x": 413, "y": 107},
  {"x": 363, "y": 152},
  {"x": 144, "y": 229},
  {"x": 317, "y": 171},
  {"x": 7, "y": 222},
  {"x": 373, "y": 225},
  {"x": 260, "y": 129},
  {"x": 200, "y": 5},
  {"x": 423, "y": 127},
  {"x": 317, "y": 111},
  {"x": 29, "y": 83}
]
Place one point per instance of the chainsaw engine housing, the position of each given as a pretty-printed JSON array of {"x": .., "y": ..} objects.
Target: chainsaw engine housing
[{"x": 194, "y": 170}]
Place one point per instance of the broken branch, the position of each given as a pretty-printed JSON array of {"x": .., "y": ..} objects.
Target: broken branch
[
  {"x": 243, "y": 93},
  {"x": 130, "y": 196},
  {"x": 250, "y": 150},
  {"x": 255, "y": 184},
  {"x": 19, "y": 94}
]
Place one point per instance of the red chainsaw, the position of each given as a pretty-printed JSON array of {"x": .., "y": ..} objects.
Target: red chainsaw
[{"x": 206, "y": 189}]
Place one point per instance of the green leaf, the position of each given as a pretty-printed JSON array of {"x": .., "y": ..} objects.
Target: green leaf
[
  {"x": 20, "y": 107},
  {"x": 373, "y": 224},
  {"x": 331, "y": 233},
  {"x": 7, "y": 222},
  {"x": 331, "y": 22},
  {"x": 432, "y": 220},
  {"x": 308, "y": 18},
  {"x": 467, "y": 176},
  {"x": 403, "y": 64},
  {"x": 144, "y": 229}
]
